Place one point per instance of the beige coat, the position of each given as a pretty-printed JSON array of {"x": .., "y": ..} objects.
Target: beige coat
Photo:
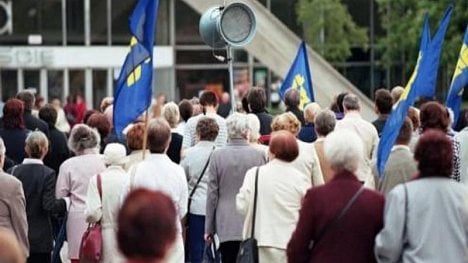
[
  {"x": 280, "y": 191},
  {"x": 112, "y": 180},
  {"x": 13, "y": 209}
]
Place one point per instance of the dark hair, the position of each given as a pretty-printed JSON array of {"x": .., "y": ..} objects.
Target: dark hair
[
  {"x": 101, "y": 123},
  {"x": 292, "y": 98},
  {"x": 207, "y": 129},
  {"x": 284, "y": 146},
  {"x": 433, "y": 115},
  {"x": 208, "y": 98},
  {"x": 257, "y": 99},
  {"x": 185, "y": 109},
  {"x": 27, "y": 97},
  {"x": 135, "y": 137},
  {"x": 406, "y": 131},
  {"x": 13, "y": 114},
  {"x": 146, "y": 225},
  {"x": 159, "y": 135},
  {"x": 48, "y": 114},
  {"x": 88, "y": 114},
  {"x": 434, "y": 154},
  {"x": 383, "y": 101}
]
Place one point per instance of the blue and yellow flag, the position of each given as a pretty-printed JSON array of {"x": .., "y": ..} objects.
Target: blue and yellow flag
[
  {"x": 299, "y": 78},
  {"x": 459, "y": 80},
  {"x": 134, "y": 86},
  {"x": 423, "y": 78}
]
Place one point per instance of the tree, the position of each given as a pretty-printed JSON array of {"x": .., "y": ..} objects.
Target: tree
[
  {"x": 403, "y": 19},
  {"x": 330, "y": 29}
]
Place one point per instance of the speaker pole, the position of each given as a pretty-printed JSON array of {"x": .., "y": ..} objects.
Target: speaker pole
[{"x": 230, "y": 61}]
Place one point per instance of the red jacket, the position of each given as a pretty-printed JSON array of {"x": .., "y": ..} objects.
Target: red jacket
[{"x": 352, "y": 238}]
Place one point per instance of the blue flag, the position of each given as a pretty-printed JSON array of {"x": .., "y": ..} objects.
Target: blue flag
[
  {"x": 459, "y": 80},
  {"x": 133, "y": 89},
  {"x": 299, "y": 78},
  {"x": 423, "y": 78}
]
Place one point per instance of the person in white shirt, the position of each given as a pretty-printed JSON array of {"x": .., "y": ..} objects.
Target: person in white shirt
[
  {"x": 366, "y": 131},
  {"x": 209, "y": 102},
  {"x": 158, "y": 172}
]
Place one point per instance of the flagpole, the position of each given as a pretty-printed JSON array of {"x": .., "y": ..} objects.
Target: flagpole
[{"x": 145, "y": 135}]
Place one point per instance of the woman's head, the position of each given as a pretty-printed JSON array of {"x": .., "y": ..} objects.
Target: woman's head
[
  {"x": 283, "y": 146},
  {"x": 37, "y": 145},
  {"x": 434, "y": 154},
  {"x": 286, "y": 121},
  {"x": 13, "y": 114},
  {"x": 83, "y": 137},
  {"x": 207, "y": 129},
  {"x": 238, "y": 126},
  {"x": 344, "y": 150},
  {"x": 170, "y": 112},
  {"x": 433, "y": 115},
  {"x": 146, "y": 225},
  {"x": 135, "y": 137}
]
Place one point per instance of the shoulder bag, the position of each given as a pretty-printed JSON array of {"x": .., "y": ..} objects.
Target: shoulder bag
[
  {"x": 248, "y": 251},
  {"x": 91, "y": 243},
  {"x": 313, "y": 243}
]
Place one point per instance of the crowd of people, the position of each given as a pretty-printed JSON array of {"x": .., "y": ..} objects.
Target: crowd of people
[{"x": 303, "y": 183}]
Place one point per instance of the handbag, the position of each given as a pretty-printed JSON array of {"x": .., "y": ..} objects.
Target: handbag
[
  {"x": 248, "y": 250},
  {"x": 313, "y": 243},
  {"x": 91, "y": 242}
]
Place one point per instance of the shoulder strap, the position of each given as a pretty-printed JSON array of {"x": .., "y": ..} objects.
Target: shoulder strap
[
  {"x": 255, "y": 204},
  {"x": 201, "y": 175},
  {"x": 339, "y": 217},
  {"x": 99, "y": 185}
]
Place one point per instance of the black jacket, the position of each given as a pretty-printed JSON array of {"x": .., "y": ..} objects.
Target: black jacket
[
  {"x": 39, "y": 189},
  {"x": 32, "y": 123}
]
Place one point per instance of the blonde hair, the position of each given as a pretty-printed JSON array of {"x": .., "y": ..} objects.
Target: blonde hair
[{"x": 286, "y": 121}]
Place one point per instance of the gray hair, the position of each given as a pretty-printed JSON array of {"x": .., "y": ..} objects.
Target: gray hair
[
  {"x": 344, "y": 150},
  {"x": 237, "y": 126},
  {"x": 170, "y": 112},
  {"x": 36, "y": 144},
  {"x": 83, "y": 137},
  {"x": 254, "y": 127},
  {"x": 325, "y": 122},
  {"x": 351, "y": 102}
]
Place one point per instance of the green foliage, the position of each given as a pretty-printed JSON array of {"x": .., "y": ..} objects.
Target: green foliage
[
  {"x": 330, "y": 29},
  {"x": 403, "y": 20}
]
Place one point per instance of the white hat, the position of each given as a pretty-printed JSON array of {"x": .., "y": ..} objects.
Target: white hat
[{"x": 114, "y": 154}]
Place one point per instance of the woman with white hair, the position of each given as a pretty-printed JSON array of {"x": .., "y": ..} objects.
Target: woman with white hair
[
  {"x": 103, "y": 199},
  {"x": 226, "y": 174},
  {"x": 38, "y": 183},
  {"x": 170, "y": 112},
  {"x": 338, "y": 221},
  {"x": 73, "y": 182}
]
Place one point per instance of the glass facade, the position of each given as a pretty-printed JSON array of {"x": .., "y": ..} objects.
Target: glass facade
[{"x": 69, "y": 24}]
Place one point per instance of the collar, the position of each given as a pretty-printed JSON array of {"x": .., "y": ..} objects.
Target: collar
[
  {"x": 400, "y": 147},
  {"x": 32, "y": 161}
]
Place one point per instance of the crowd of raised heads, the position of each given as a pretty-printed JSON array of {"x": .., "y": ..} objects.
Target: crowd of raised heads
[{"x": 304, "y": 182}]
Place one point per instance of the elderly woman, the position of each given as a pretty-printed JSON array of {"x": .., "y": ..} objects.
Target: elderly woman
[
  {"x": 425, "y": 219},
  {"x": 13, "y": 207},
  {"x": 103, "y": 206},
  {"x": 434, "y": 115},
  {"x": 13, "y": 131},
  {"x": 338, "y": 221},
  {"x": 170, "y": 112},
  {"x": 147, "y": 227},
  {"x": 195, "y": 164},
  {"x": 307, "y": 132},
  {"x": 38, "y": 183},
  {"x": 73, "y": 181},
  {"x": 279, "y": 191},
  {"x": 135, "y": 145},
  {"x": 324, "y": 124},
  {"x": 307, "y": 161},
  {"x": 226, "y": 174}
]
